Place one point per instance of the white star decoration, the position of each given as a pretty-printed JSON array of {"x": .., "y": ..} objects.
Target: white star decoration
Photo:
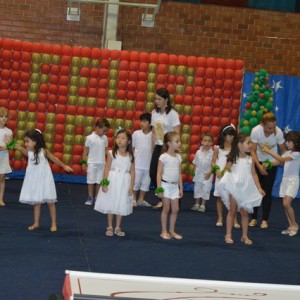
[
  {"x": 287, "y": 129},
  {"x": 245, "y": 95},
  {"x": 276, "y": 85},
  {"x": 276, "y": 108}
]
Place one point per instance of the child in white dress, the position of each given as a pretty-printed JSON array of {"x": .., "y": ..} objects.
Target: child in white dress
[
  {"x": 38, "y": 185},
  {"x": 289, "y": 186},
  {"x": 5, "y": 138},
  {"x": 239, "y": 187},
  {"x": 219, "y": 159},
  {"x": 203, "y": 175},
  {"x": 169, "y": 182},
  {"x": 117, "y": 184}
]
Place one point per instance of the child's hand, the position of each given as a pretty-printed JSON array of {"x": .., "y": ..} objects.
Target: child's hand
[
  {"x": 2, "y": 148},
  {"x": 160, "y": 195},
  {"x": 68, "y": 169},
  {"x": 7, "y": 139},
  {"x": 207, "y": 175},
  {"x": 219, "y": 173},
  {"x": 265, "y": 165},
  {"x": 104, "y": 188},
  {"x": 130, "y": 191},
  {"x": 265, "y": 149},
  {"x": 262, "y": 169},
  {"x": 261, "y": 191},
  {"x": 180, "y": 193}
]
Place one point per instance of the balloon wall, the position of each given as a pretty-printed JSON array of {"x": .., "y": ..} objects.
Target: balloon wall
[
  {"x": 62, "y": 89},
  {"x": 259, "y": 102}
]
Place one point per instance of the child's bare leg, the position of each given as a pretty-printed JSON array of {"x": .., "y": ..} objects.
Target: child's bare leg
[
  {"x": 236, "y": 222},
  {"x": 142, "y": 195},
  {"x": 97, "y": 188},
  {"x": 2, "y": 188},
  {"x": 173, "y": 218},
  {"x": 164, "y": 214},
  {"x": 229, "y": 220},
  {"x": 245, "y": 221},
  {"x": 118, "y": 230},
  {"x": 287, "y": 204},
  {"x": 36, "y": 217},
  {"x": 110, "y": 220},
  {"x": 52, "y": 210},
  {"x": 219, "y": 212},
  {"x": 91, "y": 191}
]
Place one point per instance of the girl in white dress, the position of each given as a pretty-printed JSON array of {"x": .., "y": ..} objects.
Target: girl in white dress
[
  {"x": 5, "y": 139},
  {"x": 169, "y": 182},
  {"x": 38, "y": 185},
  {"x": 219, "y": 160},
  {"x": 289, "y": 186},
  {"x": 239, "y": 187},
  {"x": 117, "y": 184}
]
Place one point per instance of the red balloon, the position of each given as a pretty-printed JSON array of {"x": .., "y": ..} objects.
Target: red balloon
[
  {"x": 229, "y": 73},
  {"x": 18, "y": 165},
  {"x": 173, "y": 59},
  {"x": 59, "y": 138},
  {"x": 215, "y": 130},
  {"x": 115, "y": 54},
  {"x": 201, "y": 62},
  {"x": 197, "y": 110},
  {"x": 205, "y": 129},
  {"x": 78, "y": 149},
  {"x": 200, "y": 72},
  {"x": 207, "y": 111},
  {"x": 207, "y": 101},
  {"x": 124, "y": 65},
  {"x": 196, "y": 120},
  {"x": 195, "y": 139},
  {"x": 41, "y": 117},
  {"x": 226, "y": 103},
  {"x": 110, "y": 113},
  {"x": 133, "y": 66},
  {"x": 215, "y": 121},
  {"x": 211, "y": 62},
  {"x": 208, "y": 92},
  {"x": 58, "y": 147},
  {"x": 144, "y": 57},
  {"x": 153, "y": 58},
  {"x": 198, "y": 91},
  {"x": 230, "y": 63},
  {"x": 76, "y": 169},
  {"x": 216, "y": 112},
  {"x": 163, "y": 58},
  {"x": 32, "y": 107},
  {"x": 60, "y": 118},
  {"x": 221, "y": 63},
  {"x": 136, "y": 125},
  {"x": 228, "y": 84},
  {"x": 187, "y": 119},
  {"x": 210, "y": 72},
  {"x": 129, "y": 115},
  {"x": 143, "y": 67},
  {"x": 42, "y": 107},
  {"x": 218, "y": 93},
  {"x": 235, "y": 103},
  {"x": 162, "y": 69},
  {"x": 140, "y": 106},
  {"x": 206, "y": 121},
  {"x": 124, "y": 55},
  {"x": 79, "y": 130},
  {"x": 188, "y": 100}
]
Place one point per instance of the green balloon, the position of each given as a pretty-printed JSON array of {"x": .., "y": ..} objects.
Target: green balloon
[
  {"x": 247, "y": 115},
  {"x": 267, "y": 94},
  {"x": 246, "y": 130},
  {"x": 255, "y": 106},
  {"x": 259, "y": 114},
  {"x": 251, "y": 98},
  {"x": 263, "y": 72},
  {"x": 269, "y": 106},
  {"x": 260, "y": 102},
  {"x": 256, "y": 93},
  {"x": 253, "y": 122}
]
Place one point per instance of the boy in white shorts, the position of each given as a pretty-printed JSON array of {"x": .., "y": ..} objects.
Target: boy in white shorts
[
  {"x": 93, "y": 158},
  {"x": 203, "y": 175},
  {"x": 141, "y": 143}
]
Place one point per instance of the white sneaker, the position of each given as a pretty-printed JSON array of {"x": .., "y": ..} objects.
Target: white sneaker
[
  {"x": 143, "y": 203},
  {"x": 285, "y": 231},
  {"x": 89, "y": 201},
  {"x": 134, "y": 204},
  {"x": 195, "y": 207},
  {"x": 201, "y": 208}
]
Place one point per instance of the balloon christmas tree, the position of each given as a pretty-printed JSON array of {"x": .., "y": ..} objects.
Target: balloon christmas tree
[{"x": 259, "y": 102}]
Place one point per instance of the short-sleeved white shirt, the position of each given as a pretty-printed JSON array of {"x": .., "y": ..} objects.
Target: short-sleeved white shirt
[
  {"x": 4, "y": 131},
  {"x": 291, "y": 167},
  {"x": 171, "y": 167},
  {"x": 96, "y": 145},
  {"x": 163, "y": 123},
  {"x": 202, "y": 161},
  {"x": 258, "y": 137},
  {"x": 141, "y": 143}
]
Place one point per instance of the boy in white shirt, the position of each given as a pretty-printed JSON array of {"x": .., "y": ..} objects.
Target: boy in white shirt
[
  {"x": 141, "y": 143},
  {"x": 93, "y": 158},
  {"x": 203, "y": 174}
]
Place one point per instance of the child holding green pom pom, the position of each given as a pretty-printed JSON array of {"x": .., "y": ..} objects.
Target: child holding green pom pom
[
  {"x": 115, "y": 197},
  {"x": 5, "y": 140},
  {"x": 169, "y": 182}
]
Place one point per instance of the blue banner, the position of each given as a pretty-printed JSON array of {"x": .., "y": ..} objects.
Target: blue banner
[{"x": 286, "y": 94}]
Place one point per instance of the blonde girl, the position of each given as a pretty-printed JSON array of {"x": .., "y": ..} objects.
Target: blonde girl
[{"x": 169, "y": 182}]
